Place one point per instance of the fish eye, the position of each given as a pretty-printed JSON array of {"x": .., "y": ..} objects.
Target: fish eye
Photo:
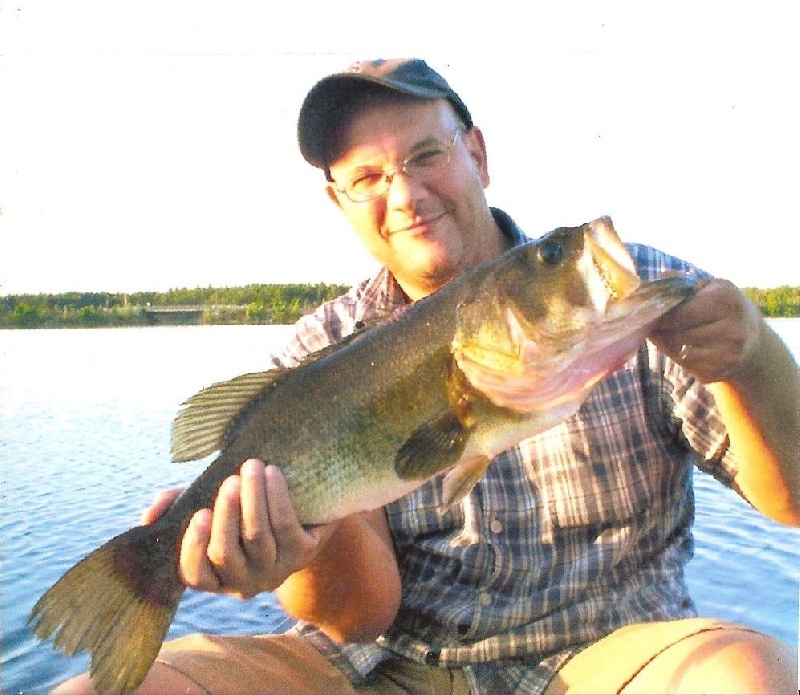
[{"x": 551, "y": 252}]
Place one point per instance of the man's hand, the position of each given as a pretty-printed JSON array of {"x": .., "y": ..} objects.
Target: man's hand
[
  {"x": 714, "y": 335},
  {"x": 250, "y": 542},
  {"x": 720, "y": 336}
]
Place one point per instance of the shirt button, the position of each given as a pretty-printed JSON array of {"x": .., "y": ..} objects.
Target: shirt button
[
  {"x": 496, "y": 526},
  {"x": 432, "y": 657},
  {"x": 484, "y": 598}
]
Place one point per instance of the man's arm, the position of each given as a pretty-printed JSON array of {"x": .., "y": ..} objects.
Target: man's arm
[
  {"x": 761, "y": 409},
  {"x": 351, "y": 590},
  {"x": 721, "y": 337}
]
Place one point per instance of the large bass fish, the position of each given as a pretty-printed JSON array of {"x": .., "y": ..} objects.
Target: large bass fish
[{"x": 506, "y": 350}]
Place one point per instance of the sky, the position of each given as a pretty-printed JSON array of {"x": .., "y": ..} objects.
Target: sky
[{"x": 151, "y": 145}]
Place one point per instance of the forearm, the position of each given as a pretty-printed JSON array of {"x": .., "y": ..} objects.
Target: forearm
[
  {"x": 760, "y": 404},
  {"x": 352, "y": 588}
]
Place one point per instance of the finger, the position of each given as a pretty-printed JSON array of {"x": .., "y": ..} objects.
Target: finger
[
  {"x": 703, "y": 306},
  {"x": 686, "y": 346},
  {"x": 195, "y": 568},
  {"x": 224, "y": 549},
  {"x": 709, "y": 352},
  {"x": 690, "y": 314},
  {"x": 256, "y": 539},
  {"x": 293, "y": 545},
  {"x": 162, "y": 501}
]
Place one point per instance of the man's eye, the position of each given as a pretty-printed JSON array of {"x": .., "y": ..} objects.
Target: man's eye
[
  {"x": 366, "y": 179},
  {"x": 428, "y": 158}
]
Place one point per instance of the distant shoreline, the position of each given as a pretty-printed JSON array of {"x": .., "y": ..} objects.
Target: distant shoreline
[{"x": 246, "y": 305}]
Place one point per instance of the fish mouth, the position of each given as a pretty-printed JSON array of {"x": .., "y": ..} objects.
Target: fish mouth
[
  {"x": 535, "y": 372},
  {"x": 606, "y": 279},
  {"x": 613, "y": 266},
  {"x": 528, "y": 361}
]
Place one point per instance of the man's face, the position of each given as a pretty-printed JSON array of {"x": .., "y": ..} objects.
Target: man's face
[{"x": 427, "y": 229}]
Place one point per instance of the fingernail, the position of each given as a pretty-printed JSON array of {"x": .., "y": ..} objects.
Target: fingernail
[
  {"x": 252, "y": 467},
  {"x": 231, "y": 485},
  {"x": 201, "y": 523}
]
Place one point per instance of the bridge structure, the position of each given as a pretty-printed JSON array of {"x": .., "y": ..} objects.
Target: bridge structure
[{"x": 187, "y": 312}]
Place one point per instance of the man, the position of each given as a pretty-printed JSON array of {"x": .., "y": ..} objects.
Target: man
[{"x": 563, "y": 569}]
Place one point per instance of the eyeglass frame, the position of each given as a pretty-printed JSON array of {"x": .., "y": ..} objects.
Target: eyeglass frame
[{"x": 389, "y": 174}]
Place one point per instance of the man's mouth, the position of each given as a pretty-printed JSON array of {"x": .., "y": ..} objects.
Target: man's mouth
[{"x": 419, "y": 225}]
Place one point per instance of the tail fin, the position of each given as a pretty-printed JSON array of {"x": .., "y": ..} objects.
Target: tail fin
[{"x": 116, "y": 603}]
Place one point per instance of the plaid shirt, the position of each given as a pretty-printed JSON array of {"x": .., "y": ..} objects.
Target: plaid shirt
[{"x": 570, "y": 535}]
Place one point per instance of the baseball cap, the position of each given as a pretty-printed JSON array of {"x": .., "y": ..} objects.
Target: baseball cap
[{"x": 324, "y": 104}]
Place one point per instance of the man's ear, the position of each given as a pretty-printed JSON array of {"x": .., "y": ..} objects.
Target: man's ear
[
  {"x": 333, "y": 195},
  {"x": 476, "y": 145}
]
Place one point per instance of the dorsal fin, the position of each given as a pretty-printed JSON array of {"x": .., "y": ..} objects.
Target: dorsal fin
[
  {"x": 207, "y": 419},
  {"x": 202, "y": 423}
]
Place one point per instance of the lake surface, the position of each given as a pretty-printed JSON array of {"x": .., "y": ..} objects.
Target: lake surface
[{"x": 84, "y": 444}]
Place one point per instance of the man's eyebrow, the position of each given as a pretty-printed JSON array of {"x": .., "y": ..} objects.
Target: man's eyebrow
[{"x": 425, "y": 142}]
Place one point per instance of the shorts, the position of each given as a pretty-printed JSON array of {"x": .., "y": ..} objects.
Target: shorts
[{"x": 225, "y": 665}]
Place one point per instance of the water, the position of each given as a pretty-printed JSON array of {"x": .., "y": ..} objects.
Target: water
[{"x": 84, "y": 443}]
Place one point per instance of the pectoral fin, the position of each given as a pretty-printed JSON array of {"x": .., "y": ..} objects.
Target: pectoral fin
[
  {"x": 461, "y": 479},
  {"x": 432, "y": 447}
]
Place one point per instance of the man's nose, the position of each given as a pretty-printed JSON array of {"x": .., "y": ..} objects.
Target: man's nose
[{"x": 402, "y": 188}]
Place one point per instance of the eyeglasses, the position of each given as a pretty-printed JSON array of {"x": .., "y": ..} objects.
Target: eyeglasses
[{"x": 369, "y": 184}]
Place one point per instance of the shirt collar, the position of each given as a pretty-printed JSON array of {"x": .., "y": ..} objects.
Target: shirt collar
[{"x": 392, "y": 294}]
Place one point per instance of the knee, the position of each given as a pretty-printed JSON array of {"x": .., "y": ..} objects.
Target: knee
[
  {"x": 756, "y": 663},
  {"x": 722, "y": 661}
]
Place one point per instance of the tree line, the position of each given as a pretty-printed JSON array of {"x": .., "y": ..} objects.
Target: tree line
[
  {"x": 250, "y": 304},
  {"x": 779, "y": 302}
]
